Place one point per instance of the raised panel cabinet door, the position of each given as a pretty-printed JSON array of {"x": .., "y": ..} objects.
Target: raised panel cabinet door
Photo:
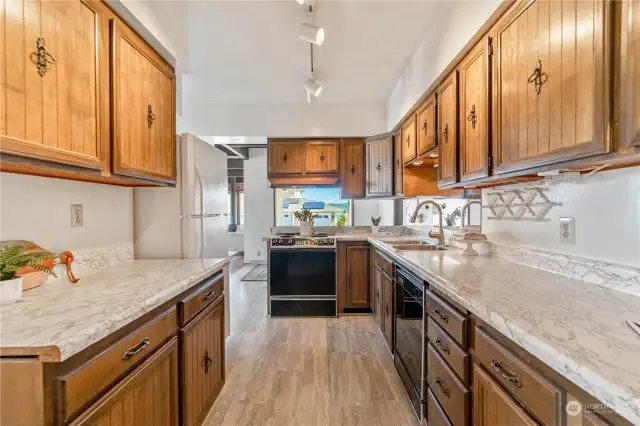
[
  {"x": 492, "y": 406},
  {"x": 378, "y": 308},
  {"x": 202, "y": 365},
  {"x": 322, "y": 157},
  {"x": 387, "y": 308},
  {"x": 148, "y": 396},
  {"x": 630, "y": 75},
  {"x": 357, "y": 294},
  {"x": 51, "y": 85},
  {"x": 448, "y": 130},
  {"x": 409, "y": 139},
  {"x": 286, "y": 157},
  {"x": 551, "y": 83},
  {"x": 143, "y": 102},
  {"x": 426, "y": 126},
  {"x": 352, "y": 169},
  {"x": 398, "y": 165},
  {"x": 474, "y": 113}
]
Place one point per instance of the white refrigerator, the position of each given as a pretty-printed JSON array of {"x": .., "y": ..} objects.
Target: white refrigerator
[{"x": 189, "y": 221}]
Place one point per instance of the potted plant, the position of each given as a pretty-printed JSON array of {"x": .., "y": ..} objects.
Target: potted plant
[
  {"x": 375, "y": 221},
  {"x": 16, "y": 261},
  {"x": 306, "y": 221},
  {"x": 450, "y": 219}
]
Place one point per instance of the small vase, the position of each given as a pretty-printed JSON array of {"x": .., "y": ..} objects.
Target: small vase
[
  {"x": 305, "y": 229},
  {"x": 375, "y": 229},
  {"x": 10, "y": 291}
]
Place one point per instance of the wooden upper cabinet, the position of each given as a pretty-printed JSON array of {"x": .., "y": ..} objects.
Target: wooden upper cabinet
[
  {"x": 493, "y": 406},
  {"x": 409, "y": 139},
  {"x": 321, "y": 156},
  {"x": 426, "y": 126},
  {"x": 551, "y": 79},
  {"x": 398, "y": 164},
  {"x": 474, "y": 113},
  {"x": 286, "y": 157},
  {"x": 53, "y": 111},
  {"x": 202, "y": 363},
  {"x": 630, "y": 73},
  {"x": 352, "y": 169},
  {"x": 448, "y": 130},
  {"x": 143, "y": 102},
  {"x": 379, "y": 164},
  {"x": 146, "y": 397}
]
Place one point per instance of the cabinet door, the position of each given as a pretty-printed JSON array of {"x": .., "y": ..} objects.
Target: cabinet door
[
  {"x": 378, "y": 300},
  {"x": 286, "y": 157},
  {"x": 144, "y": 139},
  {"x": 409, "y": 139},
  {"x": 448, "y": 130},
  {"x": 474, "y": 113},
  {"x": 380, "y": 166},
  {"x": 352, "y": 169},
  {"x": 398, "y": 165},
  {"x": 551, "y": 79},
  {"x": 321, "y": 157},
  {"x": 492, "y": 406},
  {"x": 202, "y": 363},
  {"x": 53, "y": 112},
  {"x": 146, "y": 397},
  {"x": 387, "y": 295},
  {"x": 426, "y": 125},
  {"x": 630, "y": 78},
  {"x": 357, "y": 291}
]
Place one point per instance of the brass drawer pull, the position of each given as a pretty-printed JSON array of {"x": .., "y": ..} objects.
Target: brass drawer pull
[
  {"x": 136, "y": 349},
  {"x": 151, "y": 117},
  {"x": 42, "y": 58},
  {"x": 353, "y": 170},
  {"x": 442, "y": 346},
  {"x": 472, "y": 116},
  {"x": 445, "y": 133},
  {"x": 441, "y": 387},
  {"x": 208, "y": 295},
  {"x": 509, "y": 376},
  {"x": 378, "y": 167},
  {"x": 424, "y": 127},
  {"x": 284, "y": 157},
  {"x": 207, "y": 361},
  {"x": 322, "y": 157},
  {"x": 442, "y": 316},
  {"x": 537, "y": 77}
]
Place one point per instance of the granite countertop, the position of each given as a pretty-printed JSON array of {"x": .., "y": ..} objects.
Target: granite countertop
[
  {"x": 62, "y": 319},
  {"x": 576, "y": 328}
]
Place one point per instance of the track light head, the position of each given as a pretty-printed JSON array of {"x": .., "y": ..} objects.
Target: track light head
[
  {"x": 301, "y": 2},
  {"x": 312, "y": 88},
  {"x": 312, "y": 34}
]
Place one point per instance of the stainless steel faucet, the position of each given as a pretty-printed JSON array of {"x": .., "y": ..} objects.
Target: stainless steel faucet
[
  {"x": 440, "y": 234},
  {"x": 466, "y": 206}
]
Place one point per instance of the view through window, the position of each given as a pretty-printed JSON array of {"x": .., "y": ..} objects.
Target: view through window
[{"x": 325, "y": 202}]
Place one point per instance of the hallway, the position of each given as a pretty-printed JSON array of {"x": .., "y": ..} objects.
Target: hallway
[{"x": 304, "y": 372}]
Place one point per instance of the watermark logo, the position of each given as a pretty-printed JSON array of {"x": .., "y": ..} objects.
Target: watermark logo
[{"x": 573, "y": 408}]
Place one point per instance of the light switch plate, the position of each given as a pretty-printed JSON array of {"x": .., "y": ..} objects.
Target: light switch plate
[
  {"x": 568, "y": 230},
  {"x": 77, "y": 219}
]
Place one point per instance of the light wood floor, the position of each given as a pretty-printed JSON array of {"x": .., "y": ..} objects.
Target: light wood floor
[{"x": 303, "y": 371}]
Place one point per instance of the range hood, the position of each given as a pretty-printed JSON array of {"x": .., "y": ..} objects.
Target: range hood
[{"x": 303, "y": 181}]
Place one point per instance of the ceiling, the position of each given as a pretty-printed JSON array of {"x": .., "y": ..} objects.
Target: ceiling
[{"x": 248, "y": 52}]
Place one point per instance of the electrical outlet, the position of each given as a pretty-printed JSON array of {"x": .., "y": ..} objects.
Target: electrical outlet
[
  {"x": 259, "y": 252},
  {"x": 76, "y": 215},
  {"x": 568, "y": 230}
]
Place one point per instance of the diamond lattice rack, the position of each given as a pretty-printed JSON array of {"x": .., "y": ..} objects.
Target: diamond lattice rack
[{"x": 530, "y": 204}]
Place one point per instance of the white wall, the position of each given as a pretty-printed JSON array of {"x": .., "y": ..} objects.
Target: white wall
[
  {"x": 606, "y": 208},
  {"x": 258, "y": 205},
  {"x": 39, "y": 209},
  {"x": 285, "y": 120},
  {"x": 442, "y": 42},
  {"x": 236, "y": 241}
]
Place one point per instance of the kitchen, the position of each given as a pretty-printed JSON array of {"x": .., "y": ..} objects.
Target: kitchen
[{"x": 478, "y": 263}]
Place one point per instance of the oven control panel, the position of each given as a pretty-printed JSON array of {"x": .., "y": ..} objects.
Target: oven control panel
[{"x": 299, "y": 242}]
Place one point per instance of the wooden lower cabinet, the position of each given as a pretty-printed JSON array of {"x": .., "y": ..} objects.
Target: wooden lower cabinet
[
  {"x": 353, "y": 277},
  {"x": 146, "y": 397},
  {"x": 492, "y": 406},
  {"x": 387, "y": 309},
  {"x": 378, "y": 309},
  {"x": 202, "y": 365}
]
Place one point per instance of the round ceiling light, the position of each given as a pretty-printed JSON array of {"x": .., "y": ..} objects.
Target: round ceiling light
[{"x": 312, "y": 34}]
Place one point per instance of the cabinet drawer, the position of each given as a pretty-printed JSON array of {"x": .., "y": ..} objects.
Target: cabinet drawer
[
  {"x": 385, "y": 264},
  {"x": 541, "y": 397},
  {"x": 435, "y": 413},
  {"x": 90, "y": 380},
  {"x": 453, "y": 354},
  {"x": 447, "y": 317},
  {"x": 190, "y": 305},
  {"x": 450, "y": 392}
]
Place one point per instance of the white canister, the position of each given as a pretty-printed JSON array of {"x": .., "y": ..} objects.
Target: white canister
[
  {"x": 10, "y": 291},
  {"x": 305, "y": 229}
]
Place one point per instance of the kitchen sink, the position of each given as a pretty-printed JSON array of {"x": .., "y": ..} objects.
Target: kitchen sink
[{"x": 418, "y": 247}]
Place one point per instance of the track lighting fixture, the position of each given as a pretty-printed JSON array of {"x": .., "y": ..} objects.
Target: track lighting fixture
[
  {"x": 312, "y": 88},
  {"x": 301, "y": 2},
  {"x": 311, "y": 34}
]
